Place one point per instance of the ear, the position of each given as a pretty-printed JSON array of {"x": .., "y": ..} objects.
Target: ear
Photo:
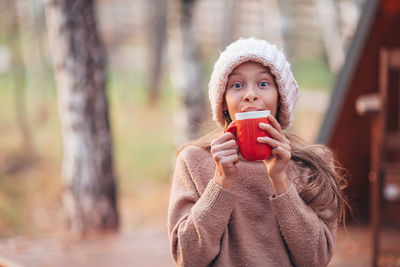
[{"x": 225, "y": 112}]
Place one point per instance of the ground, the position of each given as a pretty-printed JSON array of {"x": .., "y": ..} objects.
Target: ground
[{"x": 151, "y": 248}]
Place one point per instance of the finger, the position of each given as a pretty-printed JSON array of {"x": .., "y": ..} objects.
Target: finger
[
  {"x": 222, "y": 139},
  {"x": 281, "y": 153},
  {"x": 218, "y": 156},
  {"x": 230, "y": 161},
  {"x": 273, "y": 143},
  {"x": 230, "y": 144},
  {"x": 274, "y": 133}
]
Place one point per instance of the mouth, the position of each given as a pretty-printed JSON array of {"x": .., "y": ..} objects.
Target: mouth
[{"x": 250, "y": 109}]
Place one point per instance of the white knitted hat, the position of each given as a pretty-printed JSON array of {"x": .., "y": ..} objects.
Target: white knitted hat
[{"x": 251, "y": 49}]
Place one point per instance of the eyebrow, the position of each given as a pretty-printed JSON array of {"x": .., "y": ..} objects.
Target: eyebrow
[{"x": 261, "y": 72}]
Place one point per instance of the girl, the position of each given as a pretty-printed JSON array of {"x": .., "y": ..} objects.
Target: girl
[{"x": 226, "y": 211}]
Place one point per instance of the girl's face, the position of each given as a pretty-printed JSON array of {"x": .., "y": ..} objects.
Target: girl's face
[{"x": 251, "y": 87}]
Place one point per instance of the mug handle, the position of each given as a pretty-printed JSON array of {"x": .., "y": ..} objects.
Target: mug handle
[{"x": 232, "y": 128}]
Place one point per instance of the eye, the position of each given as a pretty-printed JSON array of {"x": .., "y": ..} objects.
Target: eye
[
  {"x": 237, "y": 85},
  {"x": 263, "y": 84}
]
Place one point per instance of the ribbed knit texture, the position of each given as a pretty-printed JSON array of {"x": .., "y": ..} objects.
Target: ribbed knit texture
[
  {"x": 260, "y": 51},
  {"x": 247, "y": 133},
  {"x": 209, "y": 225}
]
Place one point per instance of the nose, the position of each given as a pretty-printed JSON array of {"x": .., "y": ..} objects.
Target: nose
[{"x": 250, "y": 94}]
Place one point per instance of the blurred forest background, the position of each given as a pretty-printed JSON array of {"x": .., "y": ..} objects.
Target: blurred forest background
[{"x": 159, "y": 56}]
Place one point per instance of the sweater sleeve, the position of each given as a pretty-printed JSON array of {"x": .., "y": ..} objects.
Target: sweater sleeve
[
  {"x": 309, "y": 240},
  {"x": 196, "y": 222}
]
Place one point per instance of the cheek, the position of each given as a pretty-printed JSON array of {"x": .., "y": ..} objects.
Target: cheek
[
  {"x": 276, "y": 101},
  {"x": 231, "y": 100},
  {"x": 272, "y": 102}
]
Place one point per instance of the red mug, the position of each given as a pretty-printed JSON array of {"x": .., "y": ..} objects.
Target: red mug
[{"x": 246, "y": 127}]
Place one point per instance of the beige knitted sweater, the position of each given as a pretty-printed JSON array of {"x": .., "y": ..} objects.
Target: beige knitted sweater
[{"x": 209, "y": 225}]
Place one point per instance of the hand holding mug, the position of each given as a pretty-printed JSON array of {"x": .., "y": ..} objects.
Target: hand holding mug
[
  {"x": 224, "y": 150},
  {"x": 280, "y": 154}
]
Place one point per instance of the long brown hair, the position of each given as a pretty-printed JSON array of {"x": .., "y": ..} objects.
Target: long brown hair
[{"x": 325, "y": 182}]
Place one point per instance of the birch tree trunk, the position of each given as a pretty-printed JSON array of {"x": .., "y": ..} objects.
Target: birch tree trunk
[
  {"x": 158, "y": 34},
  {"x": 229, "y": 22},
  {"x": 330, "y": 30},
  {"x": 287, "y": 26},
  {"x": 188, "y": 76},
  {"x": 89, "y": 187}
]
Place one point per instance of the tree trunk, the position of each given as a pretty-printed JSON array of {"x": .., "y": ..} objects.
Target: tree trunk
[
  {"x": 330, "y": 30},
  {"x": 158, "y": 33},
  {"x": 18, "y": 72},
  {"x": 89, "y": 187},
  {"x": 287, "y": 26},
  {"x": 188, "y": 77},
  {"x": 229, "y": 22}
]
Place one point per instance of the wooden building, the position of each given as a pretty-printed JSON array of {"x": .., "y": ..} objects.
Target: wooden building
[{"x": 363, "y": 121}]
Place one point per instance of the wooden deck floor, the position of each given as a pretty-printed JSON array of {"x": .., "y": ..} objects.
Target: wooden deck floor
[
  {"x": 145, "y": 248},
  {"x": 151, "y": 248},
  {"x": 353, "y": 248}
]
